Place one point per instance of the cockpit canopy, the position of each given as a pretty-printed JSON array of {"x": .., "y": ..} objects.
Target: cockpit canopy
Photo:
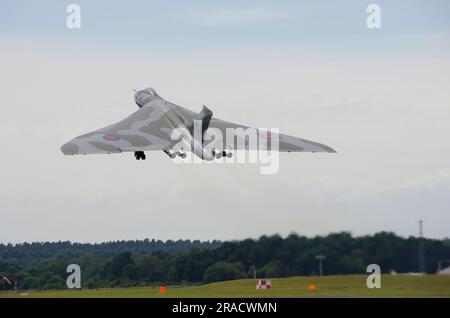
[{"x": 144, "y": 96}]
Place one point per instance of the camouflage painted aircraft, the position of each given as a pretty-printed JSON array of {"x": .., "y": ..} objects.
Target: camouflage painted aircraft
[{"x": 151, "y": 128}]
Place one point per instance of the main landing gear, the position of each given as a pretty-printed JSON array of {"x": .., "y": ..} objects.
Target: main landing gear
[
  {"x": 139, "y": 155},
  {"x": 220, "y": 154},
  {"x": 173, "y": 155}
]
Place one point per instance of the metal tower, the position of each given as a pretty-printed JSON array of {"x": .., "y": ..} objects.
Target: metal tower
[{"x": 422, "y": 268}]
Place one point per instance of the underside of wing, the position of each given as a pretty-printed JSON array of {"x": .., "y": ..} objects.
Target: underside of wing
[
  {"x": 146, "y": 129},
  {"x": 239, "y": 137}
]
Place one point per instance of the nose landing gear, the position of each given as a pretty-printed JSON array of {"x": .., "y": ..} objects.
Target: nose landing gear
[{"x": 139, "y": 155}]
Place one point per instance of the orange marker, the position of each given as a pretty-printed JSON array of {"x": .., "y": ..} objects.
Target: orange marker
[
  {"x": 312, "y": 287},
  {"x": 162, "y": 289}
]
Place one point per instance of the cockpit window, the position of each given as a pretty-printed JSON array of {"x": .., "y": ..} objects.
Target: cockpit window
[
  {"x": 150, "y": 91},
  {"x": 145, "y": 96}
]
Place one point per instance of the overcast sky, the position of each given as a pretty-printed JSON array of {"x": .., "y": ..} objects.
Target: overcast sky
[{"x": 313, "y": 69}]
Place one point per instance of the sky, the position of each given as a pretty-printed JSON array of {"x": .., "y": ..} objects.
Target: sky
[{"x": 313, "y": 69}]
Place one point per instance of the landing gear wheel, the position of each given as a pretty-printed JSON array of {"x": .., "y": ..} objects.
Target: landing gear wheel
[{"x": 139, "y": 155}]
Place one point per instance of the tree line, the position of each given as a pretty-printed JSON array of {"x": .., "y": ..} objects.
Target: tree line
[
  {"x": 31, "y": 253},
  {"x": 140, "y": 263}
]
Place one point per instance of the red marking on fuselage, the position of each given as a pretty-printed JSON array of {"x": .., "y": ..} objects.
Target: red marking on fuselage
[
  {"x": 111, "y": 137},
  {"x": 265, "y": 135}
]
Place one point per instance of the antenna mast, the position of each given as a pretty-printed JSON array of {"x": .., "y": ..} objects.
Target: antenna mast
[{"x": 421, "y": 249}]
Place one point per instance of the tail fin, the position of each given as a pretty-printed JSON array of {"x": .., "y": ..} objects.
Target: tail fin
[{"x": 205, "y": 116}]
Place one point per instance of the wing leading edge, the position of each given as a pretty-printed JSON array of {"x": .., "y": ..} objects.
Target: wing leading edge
[{"x": 146, "y": 129}]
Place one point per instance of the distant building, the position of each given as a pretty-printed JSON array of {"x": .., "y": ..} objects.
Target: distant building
[
  {"x": 445, "y": 271},
  {"x": 443, "y": 267}
]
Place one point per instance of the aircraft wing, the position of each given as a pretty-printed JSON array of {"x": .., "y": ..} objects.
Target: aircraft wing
[
  {"x": 146, "y": 129},
  {"x": 286, "y": 143}
]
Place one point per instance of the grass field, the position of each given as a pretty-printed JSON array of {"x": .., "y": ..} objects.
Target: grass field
[{"x": 337, "y": 286}]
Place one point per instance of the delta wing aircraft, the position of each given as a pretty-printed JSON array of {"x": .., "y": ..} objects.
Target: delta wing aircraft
[{"x": 152, "y": 128}]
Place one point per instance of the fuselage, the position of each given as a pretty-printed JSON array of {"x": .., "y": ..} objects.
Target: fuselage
[{"x": 187, "y": 132}]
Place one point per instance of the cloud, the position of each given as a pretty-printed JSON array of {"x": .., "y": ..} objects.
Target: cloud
[
  {"x": 233, "y": 17},
  {"x": 435, "y": 180}
]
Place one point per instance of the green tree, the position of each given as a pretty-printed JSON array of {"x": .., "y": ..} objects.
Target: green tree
[
  {"x": 114, "y": 268},
  {"x": 131, "y": 272},
  {"x": 150, "y": 268},
  {"x": 172, "y": 275},
  {"x": 221, "y": 271},
  {"x": 271, "y": 269}
]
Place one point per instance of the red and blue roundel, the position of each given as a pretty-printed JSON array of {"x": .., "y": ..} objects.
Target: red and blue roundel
[
  {"x": 265, "y": 135},
  {"x": 111, "y": 137}
]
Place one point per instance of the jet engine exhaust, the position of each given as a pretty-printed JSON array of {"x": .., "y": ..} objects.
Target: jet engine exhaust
[
  {"x": 171, "y": 155},
  {"x": 227, "y": 154}
]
